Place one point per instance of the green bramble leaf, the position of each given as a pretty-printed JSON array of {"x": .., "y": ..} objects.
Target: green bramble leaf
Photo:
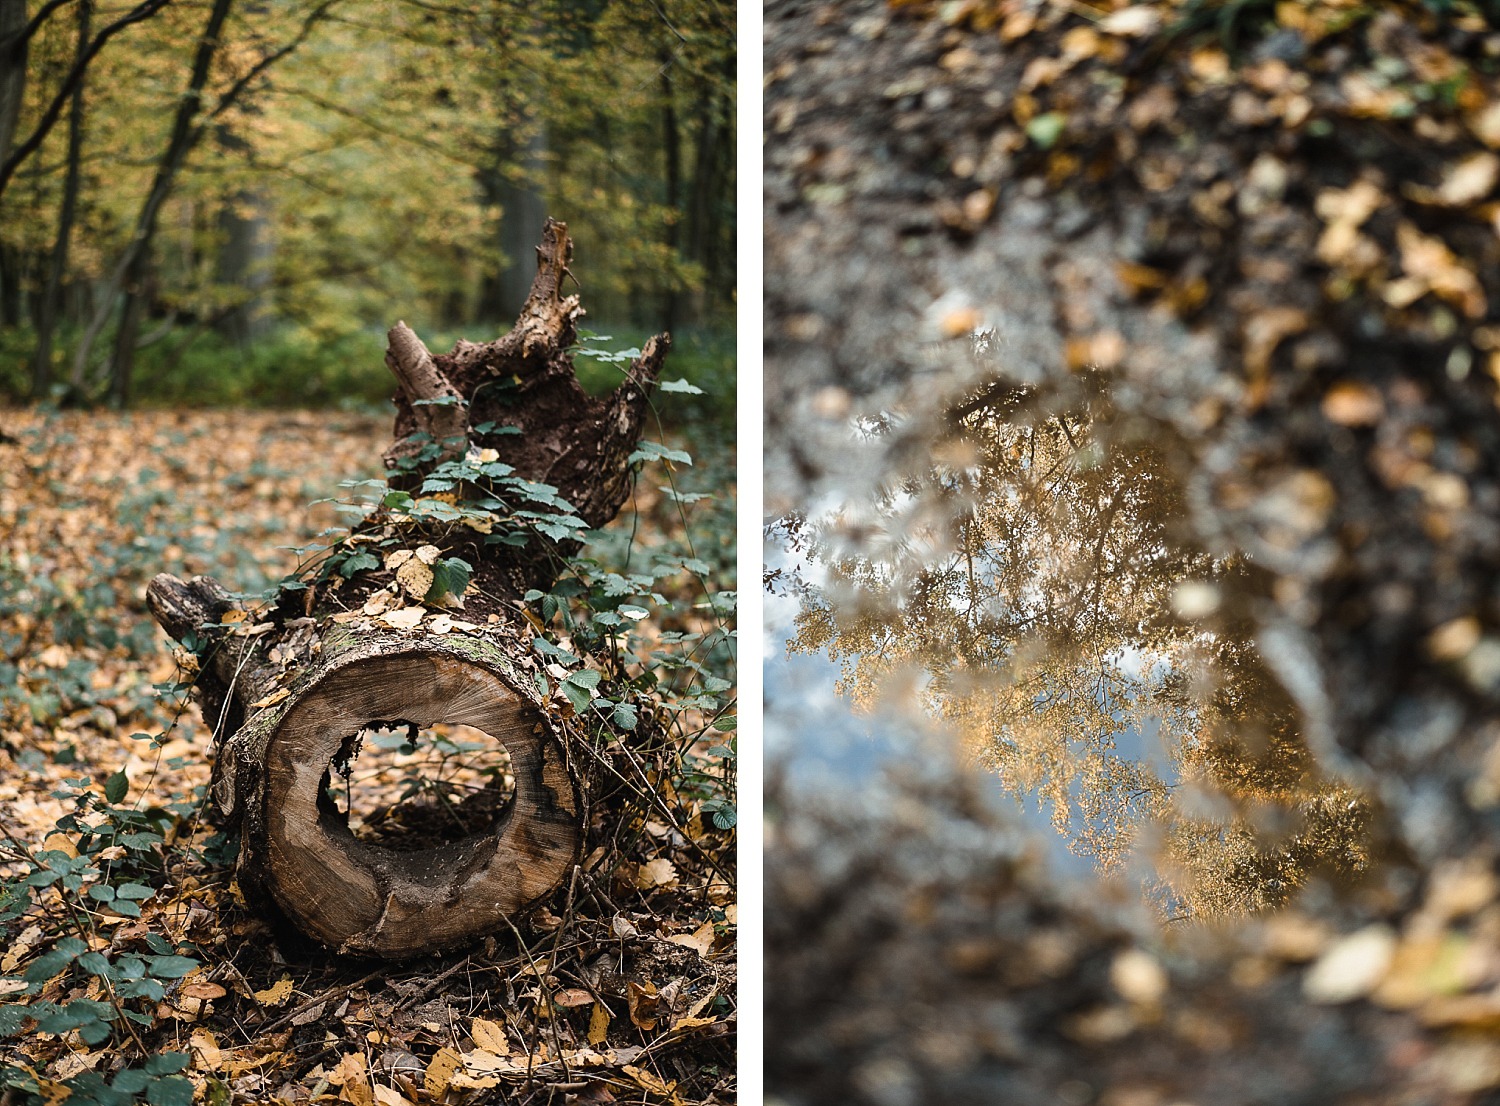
[
  {"x": 680, "y": 386},
  {"x": 116, "y": 786},
  {"x": 450, "y": 576},
  {"x": 655, "y": 451}
]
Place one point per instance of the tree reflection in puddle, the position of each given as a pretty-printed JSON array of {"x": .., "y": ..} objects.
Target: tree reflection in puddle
[{"x": 1034, "y": 572}]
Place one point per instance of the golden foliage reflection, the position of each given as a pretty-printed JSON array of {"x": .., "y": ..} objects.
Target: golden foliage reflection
[{"x": 1033, "y": 574}]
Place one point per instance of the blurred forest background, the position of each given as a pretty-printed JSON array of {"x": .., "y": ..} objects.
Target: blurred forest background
[{"x": 228, "y": 201}]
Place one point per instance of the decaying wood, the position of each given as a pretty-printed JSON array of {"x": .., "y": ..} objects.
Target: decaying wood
[{"x": 288, "y": 688}]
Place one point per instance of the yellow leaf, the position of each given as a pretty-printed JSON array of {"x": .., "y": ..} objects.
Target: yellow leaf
[
  {"x": 404, "y": 619},
  {"x": 440, "y": 1072},
  {"x": 701, "y": 940},
  {"x": 415, "y": 577},
  {"x": 206, "y": 1050},
  {"x": 643, "y": 1002},
  {"x": 598, "y": 1024},
  {"x": 232, "y": 616},
  {"x": 685, "y": 1024},
  {"x": 490, "y": 1036},
  {"x": 277, "y": 993},
  {"x": 60, "y": 843},
  {"x": 656, "y": 873},
  {"x": 648, "y": 1082},
  {"x": 1353, "y": 403},
  {"x": 272, "y": 699}
]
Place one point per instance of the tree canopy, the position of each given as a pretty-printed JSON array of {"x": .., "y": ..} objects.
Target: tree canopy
[{"x": 292, "y": 171}]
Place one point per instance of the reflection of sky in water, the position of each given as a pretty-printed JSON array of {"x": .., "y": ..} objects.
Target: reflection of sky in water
[
  {"x": 1024, "y": 592},
  {"x": 822, "y": 744}
]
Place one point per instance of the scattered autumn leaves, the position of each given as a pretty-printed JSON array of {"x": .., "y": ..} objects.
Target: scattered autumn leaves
[{"x": 631, "y": 996}]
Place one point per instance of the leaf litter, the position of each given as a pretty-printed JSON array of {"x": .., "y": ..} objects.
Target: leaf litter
[{"x": 92, "y": 505}]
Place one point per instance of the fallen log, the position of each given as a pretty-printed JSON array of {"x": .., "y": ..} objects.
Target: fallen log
[{"x": 417, "y": 618}]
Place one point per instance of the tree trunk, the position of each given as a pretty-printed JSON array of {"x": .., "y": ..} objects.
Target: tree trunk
[
  {"x": 41, "y": 371},
  {"x": 291, "y": 689},
  {"x": 130, "y": 269},
  {"x": 12, "y": 71},
  {"x": 672, "y": 171}
]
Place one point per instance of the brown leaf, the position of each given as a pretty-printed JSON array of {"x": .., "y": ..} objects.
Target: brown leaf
[
  {"x": 643, "y": 1002},
  {"x": 1469, "y": 181}
]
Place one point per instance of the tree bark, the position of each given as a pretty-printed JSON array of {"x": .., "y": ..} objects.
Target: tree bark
[
  {"x": 13, "y": 44},
  {"x": 287, "y": 690},
  {"x": 41, "y": 372}
]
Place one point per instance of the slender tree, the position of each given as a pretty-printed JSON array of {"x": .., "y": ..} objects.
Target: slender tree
[{"x": 41, "y": 375}]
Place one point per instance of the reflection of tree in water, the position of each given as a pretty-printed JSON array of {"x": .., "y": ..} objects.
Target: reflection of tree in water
[{"x": 1033, "y": 572}]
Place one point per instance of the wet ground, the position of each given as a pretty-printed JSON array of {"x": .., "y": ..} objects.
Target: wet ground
[{"x": 1131, "y": 422}]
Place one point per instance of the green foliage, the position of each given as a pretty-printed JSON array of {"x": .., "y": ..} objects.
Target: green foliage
[
  {"x": 119, "y": 864},
  {"x": 393, "y": 158}
]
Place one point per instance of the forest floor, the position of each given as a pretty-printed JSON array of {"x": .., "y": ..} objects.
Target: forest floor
[
  {"x": 623, "y": 991},
  {"x": 1271, "y": 229}
]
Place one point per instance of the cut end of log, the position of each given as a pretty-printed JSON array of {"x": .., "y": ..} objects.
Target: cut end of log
[{"x": 361, "y": 898}]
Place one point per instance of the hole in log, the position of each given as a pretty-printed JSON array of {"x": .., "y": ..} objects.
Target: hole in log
[
  {"x": 368, "y": 897},
  {"x": 406, "y": 787}
]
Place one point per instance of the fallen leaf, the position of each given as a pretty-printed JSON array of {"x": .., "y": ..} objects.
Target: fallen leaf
[
  {"x": 272, "y": 699},
  {"x": 440, "y": 1070},
  {"x": 1352, "y": 403},
  {"x": 1469, "y": 181},
  {"x": 1352, "y": 967},
  {"x": 643, "y": 1002},
  {"x": 1429, "y": 262},
  {"x": 701, "y": 940},
  {"x": 1132, "y": 22},
  {"x": 648, "y": 1082},
  {"x": 277, "y": 993},
  {"x": 1454, "y": 640},
  {"x": 656, "y": 873},
  {"x": 1138, "y": 977},
  {"x": 416, "y": 577},
  {"x": 404, "y": 619},
  {"x": 598, "y": 1024},
  {"x": 490, "y": 1037},
  {"x": 573, "y": 996},
  {"x": 207, "y": 1054}
]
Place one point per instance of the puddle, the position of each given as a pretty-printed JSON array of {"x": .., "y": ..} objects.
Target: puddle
[{"x": 1030, "y": 587}]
